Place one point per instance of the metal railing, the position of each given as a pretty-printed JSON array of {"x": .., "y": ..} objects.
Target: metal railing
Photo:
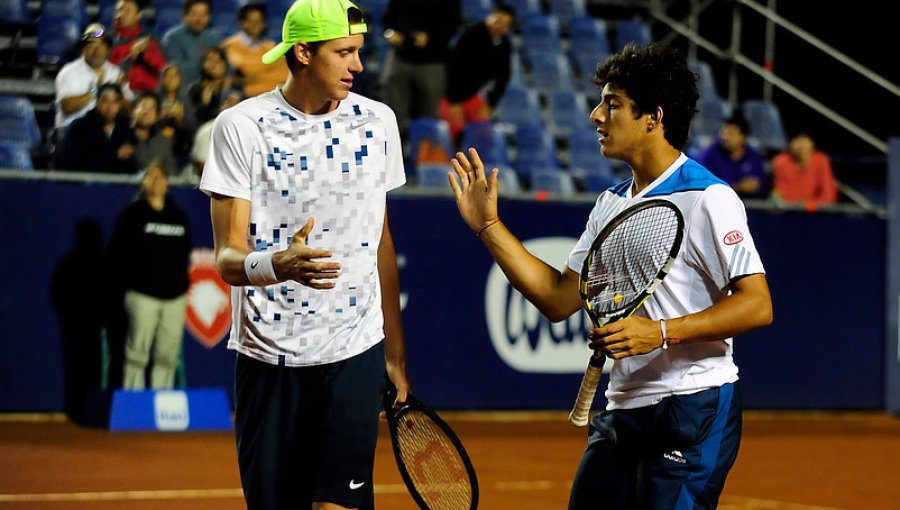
[{"x": 689, "y": 28}]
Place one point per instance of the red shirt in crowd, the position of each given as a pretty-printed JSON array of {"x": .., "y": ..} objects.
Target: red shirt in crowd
[
  {"x": 813, "y": 182},
  {"x": 142, "y": 71}
]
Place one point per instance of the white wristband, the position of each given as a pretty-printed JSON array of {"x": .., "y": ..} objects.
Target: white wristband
[
  {"x": 259, "y": 268},
  {"x": 662, "y": 330}
]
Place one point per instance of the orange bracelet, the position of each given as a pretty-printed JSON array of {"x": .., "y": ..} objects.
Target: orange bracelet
[{"x": 478, "y": 235}]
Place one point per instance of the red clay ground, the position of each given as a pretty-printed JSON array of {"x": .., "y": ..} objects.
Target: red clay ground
[{"x": 788, "y": 461}]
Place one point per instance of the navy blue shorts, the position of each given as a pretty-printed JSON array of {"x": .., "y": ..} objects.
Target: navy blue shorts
[
  {"x": 674, "y": 455},
  {"x": 308, "y": 434}
]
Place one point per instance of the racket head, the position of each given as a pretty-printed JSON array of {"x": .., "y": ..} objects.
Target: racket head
[
  {"x": 431, "y": 458},
  {"x": 629, "y": 259}
]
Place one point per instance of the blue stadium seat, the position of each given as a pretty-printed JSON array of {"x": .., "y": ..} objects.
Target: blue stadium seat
[
  {"x": 589, "y": 46},
  {"x": 433, "y": 134},
  {"x": 516, "y": 70},
  {"x": 106, "y": 12},
  {"x": 535, "y": 150},
  {"x": 553, "y": 181},
  {"x": 566, "y": 110},
  {"x": 55, "y": 38},
  {"x": 711, "y": 114},
  {"x": 15, "y": 156},
  {"x": 507, "y": 179},
  {"x": 524, "y": 8},
  {"x": 519, "y": 106},
  {"x": 550, "y": 72},
  {"x": 15, "y": 11},
  {"x": 475, "y": 10},
  {"x": 373, "y": 10},
  {"x": 567, "y": 10},
  {"x": 274, "y": 22},
  {"x": 224, "y": 15},
  {"x": 433, "y": 176},
  {"x": 765, "y": 124},
  {"x": 168, "y": 15},
  {"x": 632, "y": 30},
  {"x": 18, "y": 122},
  {"x": 706, "y": 82},
  {"x": 65, "y": 9},
  {"x": 585, "y": 158},
  {"x": 489, "y": 140},
  {"x": 597, "y": 183},
  {"x": 540, "y": 34}
]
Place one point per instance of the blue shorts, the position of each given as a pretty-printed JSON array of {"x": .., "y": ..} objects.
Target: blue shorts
[
  {"x": 674, "y": 455},
  {"x": 308, "y": 434}
]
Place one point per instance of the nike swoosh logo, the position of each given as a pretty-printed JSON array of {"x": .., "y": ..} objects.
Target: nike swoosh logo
[
  {"x": 354, "y": 486},
  {"x": 254, "y": 264}
]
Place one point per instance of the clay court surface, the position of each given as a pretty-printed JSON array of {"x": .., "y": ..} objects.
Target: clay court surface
[{"x": 788, "y": 461}]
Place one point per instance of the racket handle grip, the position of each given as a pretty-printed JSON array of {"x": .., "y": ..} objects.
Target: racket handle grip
[{"x": 582, "y": 409}]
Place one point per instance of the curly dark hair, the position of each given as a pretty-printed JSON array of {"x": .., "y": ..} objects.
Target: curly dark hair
[{"x": 654, "y": 76}]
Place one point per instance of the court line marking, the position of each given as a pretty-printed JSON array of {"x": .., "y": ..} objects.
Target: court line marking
[
  {"x": 727, "y": 503},
  {"x": 381, "y": 488}
]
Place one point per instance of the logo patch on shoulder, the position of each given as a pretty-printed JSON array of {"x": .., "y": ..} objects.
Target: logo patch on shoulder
[{"x": 733, "y": 237}]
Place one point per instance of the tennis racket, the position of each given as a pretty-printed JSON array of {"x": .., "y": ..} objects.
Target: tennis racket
[
  {"x": 432, "y": 461},
  {"x": 626, "y": 263}
]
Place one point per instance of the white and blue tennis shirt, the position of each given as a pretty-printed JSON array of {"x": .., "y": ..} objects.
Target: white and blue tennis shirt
[
  {"x": 717, "y": 248},
  {"x": 336, "y": 167}
]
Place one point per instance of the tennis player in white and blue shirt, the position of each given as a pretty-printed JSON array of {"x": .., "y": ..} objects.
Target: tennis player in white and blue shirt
[
  {"x": 298, "y": 179},
  {"x": 671, "y": 430}
]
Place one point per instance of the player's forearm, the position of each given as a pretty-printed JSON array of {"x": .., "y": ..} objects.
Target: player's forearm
[
  {"x": 544, "y": 286},
  {"x": 749, "y": 307},
  {"x": 230, "y": 263},
  {"x": 395, "y": 348}
]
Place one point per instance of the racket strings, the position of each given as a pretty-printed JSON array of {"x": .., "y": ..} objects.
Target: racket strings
[
  {"x": 433, "y": 463},
  {"x": 630, "y": 258}
]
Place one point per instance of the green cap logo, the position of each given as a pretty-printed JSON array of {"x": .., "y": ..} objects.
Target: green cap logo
[{"x": 316, "y": 20}]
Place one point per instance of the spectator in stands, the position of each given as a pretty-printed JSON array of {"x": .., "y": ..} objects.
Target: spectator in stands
[
  {"x": 803, "y": 173},
  {"x": 78, "y": 81},
  {"x": 204, "y": 133},
  {"x": 481, "y": 56},
  {"x": 177, "y": 116},
  {"x": 214, "y": 85},
  {"x": 735, "y": 161},
  {"x": 245, "y": 50},
  {"x": 135, "y": 50},
  {"x": 414, "y": 79},
  {"x": 151, "y": 144},
  {"x": 101, "y": 140},
  {"x": 186, "y": 43},
  {"x": 149, "y": 251}
]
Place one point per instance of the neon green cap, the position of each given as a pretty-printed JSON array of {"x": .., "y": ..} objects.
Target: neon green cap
[{"x": 315, "y": 20}]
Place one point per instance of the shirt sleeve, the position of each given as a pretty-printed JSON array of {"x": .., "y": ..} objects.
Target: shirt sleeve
[
  {"x": 228, "y": 162},
  {"x": 591, "y": 229},
  {"x": 718, "y": 238},
  {"x": 395, "y": 171},
  {"x": 67, "y": 85}
]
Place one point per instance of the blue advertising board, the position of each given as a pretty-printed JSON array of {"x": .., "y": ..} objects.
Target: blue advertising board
[{"x": 472, "y": 341}]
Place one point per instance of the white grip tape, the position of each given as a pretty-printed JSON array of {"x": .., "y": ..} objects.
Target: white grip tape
[
  {"x": 582, "y": 409},
  {"x": 259, "y": 268}
]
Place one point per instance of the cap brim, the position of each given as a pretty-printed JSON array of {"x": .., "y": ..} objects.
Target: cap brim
[{"x": 275, "y": 53}]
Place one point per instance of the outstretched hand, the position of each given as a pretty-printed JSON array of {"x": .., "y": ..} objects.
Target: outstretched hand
[
  {"x": 297, "y": 262},
  {"x": 475, "y": 192}
]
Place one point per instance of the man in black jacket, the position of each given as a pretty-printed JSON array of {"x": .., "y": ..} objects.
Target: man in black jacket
[
  {"x": 414, "y": 79},
  {"x": 478, "y": 69},
  {"x": 150, "y": 251}
]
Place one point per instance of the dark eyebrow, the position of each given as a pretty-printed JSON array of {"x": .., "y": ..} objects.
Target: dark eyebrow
[{"x": 610, "y": 96}]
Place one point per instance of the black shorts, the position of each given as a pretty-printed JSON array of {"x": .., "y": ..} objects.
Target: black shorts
[
  {"x": 308, "y": 434},
  {"x": 672, "y": 455}
]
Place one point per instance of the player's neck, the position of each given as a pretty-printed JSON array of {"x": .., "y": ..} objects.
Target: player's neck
[
  {"x": 646, "y": 169},
  {"x": 305, "y": 98}
]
